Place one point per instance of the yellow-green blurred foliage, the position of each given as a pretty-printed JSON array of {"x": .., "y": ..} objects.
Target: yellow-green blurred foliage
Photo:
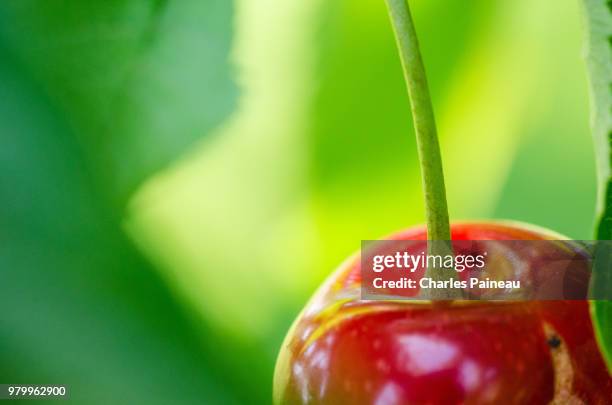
[{"x": 320, "y": 153}]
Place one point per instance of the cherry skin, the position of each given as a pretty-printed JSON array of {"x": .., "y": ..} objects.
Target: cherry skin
[{"x": 345, "y": 351}]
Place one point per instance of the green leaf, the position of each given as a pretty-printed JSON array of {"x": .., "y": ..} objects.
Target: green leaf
[
  {"x": 599, "y": 23},
  {"x": 95, "y": 96},
  {"x": 599, "y": 51},
  {"x": 80, "y": 306},
  {"x": 140, "y": 80},
  {"x": 601, "y": 312}
]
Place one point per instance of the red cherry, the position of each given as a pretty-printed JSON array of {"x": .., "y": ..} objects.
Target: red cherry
[{"x": 344, "y": 351}]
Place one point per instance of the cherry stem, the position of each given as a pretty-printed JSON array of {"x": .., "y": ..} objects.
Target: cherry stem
[{"x": 436, "y": 209}]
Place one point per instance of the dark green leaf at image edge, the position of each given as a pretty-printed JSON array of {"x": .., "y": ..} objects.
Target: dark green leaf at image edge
[
  {"x": 599, "y": 61},
  {"x": 97, "y": 96}
]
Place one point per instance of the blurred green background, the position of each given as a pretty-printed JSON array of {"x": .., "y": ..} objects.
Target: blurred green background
[{"x": 177, "y": 177}]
